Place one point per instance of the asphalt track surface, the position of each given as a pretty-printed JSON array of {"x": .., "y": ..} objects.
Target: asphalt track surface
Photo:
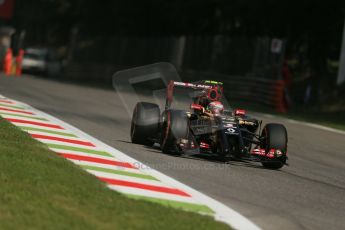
[{"x": 308, "y": 194}]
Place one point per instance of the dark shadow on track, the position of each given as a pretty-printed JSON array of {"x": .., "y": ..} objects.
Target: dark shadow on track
[{"x": 207, "y": 158}]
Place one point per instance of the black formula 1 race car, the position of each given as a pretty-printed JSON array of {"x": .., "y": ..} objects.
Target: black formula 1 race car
[{"x": 207, "y": 128}]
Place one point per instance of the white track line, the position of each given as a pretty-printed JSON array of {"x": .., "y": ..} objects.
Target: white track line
[
  {"x": 313, "y": 125},
  {"x": 325, "y": 128},
  {"x": 16, "y": 113}
]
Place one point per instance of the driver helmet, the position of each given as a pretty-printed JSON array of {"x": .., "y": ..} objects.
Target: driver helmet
[{"x": 216, "y": 107}]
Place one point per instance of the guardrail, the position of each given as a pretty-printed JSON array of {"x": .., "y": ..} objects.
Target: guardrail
[{"x": 249, "y": 89}]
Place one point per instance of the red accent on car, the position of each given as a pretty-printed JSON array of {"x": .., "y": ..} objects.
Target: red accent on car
[
  {"x": 169, "y": 95},
  {"x": 262, "y": 152},
  {"x": 213, "y": 95},
  {"x": 204, "y": 145},
  {"x": 192, "y": 145},
  {"x": 196, "y": 107},
  {"x": 271, "y": 153},
  {"x": 259, "y": 152},
  {"x": 240, "y": 112}
]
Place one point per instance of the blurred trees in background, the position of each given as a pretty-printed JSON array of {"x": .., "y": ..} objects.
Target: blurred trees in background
[
  {"x": 294, "y": 19},
  {"x": 312, "y": 29}
]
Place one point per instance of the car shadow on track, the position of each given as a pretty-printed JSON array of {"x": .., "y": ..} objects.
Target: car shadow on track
[
  {"x": 230, "y": 162},
  {"x": 202, "y": 157}
]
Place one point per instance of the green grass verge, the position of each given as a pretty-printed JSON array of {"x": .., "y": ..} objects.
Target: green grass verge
[{"x": 39, "y": 190}]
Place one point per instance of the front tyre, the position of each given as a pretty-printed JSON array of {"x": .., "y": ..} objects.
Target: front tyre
[
  {"x": 274, "y": 137},
  {"x": 145, "y": 123}
]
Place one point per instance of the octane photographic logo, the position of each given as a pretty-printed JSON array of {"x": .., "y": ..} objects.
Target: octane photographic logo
[
  {"x": 144, "y": 83},
  {"x": 149, "y": 84},
  {"x": 180, "y": 166}
]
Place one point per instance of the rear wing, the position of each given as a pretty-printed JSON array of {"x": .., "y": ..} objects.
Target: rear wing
[{"x": 205, "y": 85}]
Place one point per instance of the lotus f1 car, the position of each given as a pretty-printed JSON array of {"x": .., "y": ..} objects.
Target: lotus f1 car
[{"x": 206, "y": 128}]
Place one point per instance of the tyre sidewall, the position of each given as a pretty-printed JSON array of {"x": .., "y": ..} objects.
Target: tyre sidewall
[{"x": 145, "y": 123}]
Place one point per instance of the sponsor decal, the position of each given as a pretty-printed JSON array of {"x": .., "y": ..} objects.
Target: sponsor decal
[
  {"x": 213, "y": 82},
  {"x": 240, "y": 112},
  {"x": 185, "y": 84},
  {"x": 231, "y": 131},
  {"x": 279, "y": 153},
  {"x": 204, "y": 145},
  {"x": 259, "y": 152},
  {"x": 271, "y": 153}
]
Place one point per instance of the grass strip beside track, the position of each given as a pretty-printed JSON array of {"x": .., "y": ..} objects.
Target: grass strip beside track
[
  {"x": 39, "y": 190},
  {"x": 24, "y": 116},
  {"x": 11, "y": 106},
  {"x": 84, "y": 150},
  {"x": 47, "y": 131}
]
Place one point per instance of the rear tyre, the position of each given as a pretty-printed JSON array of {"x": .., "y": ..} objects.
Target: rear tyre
[
  {"x": 175, "y": 127},
  {"x": 275, "y": 137},
  {"x": 145, "y": 123}
]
